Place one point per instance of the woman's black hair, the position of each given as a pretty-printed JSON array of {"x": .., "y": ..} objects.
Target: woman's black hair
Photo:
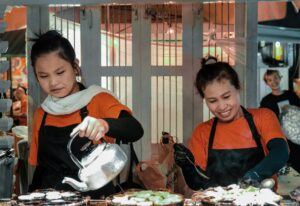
[
  {"x": 52, "y": 41},
  {"x": 212, "y": 70}
]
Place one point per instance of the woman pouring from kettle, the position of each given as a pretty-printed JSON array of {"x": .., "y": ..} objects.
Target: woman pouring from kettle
[
  {"x": 71, "y": 108},
  {"x": 236, "y": 145}
]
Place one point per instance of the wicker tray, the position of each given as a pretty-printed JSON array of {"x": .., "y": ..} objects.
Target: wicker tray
[{"x": 145, "y": 198}]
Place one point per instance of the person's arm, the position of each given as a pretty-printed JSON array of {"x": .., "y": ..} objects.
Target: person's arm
[
  {"x": 24, "y": 114},
  {"x": 266, "y": 102},
  {"x": 262, "y": 103},
  {"x": 274, "y": 161},
  {"x": 24, "y": 107},
  {"x": 33, "y": 152},
  {"x": 296, "y": 99},
  {"x": 16, "y": 107},
  {"x": 125, "y": 128},
  {"x": 117, "y": 121},
  {"x": 21, "y": 111},
  {"x": 278, "y": 153}
]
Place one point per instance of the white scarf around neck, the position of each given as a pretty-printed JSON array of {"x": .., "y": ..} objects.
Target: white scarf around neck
[{"x": 73, "y": 102}]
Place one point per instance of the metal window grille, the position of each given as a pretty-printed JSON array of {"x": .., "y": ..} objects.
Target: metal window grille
[
  {"x": 166, "y": 62},
  {"x": 166, "y": 35},
  {"x": 121, "y": 86},
  {"x": 116, "y": 54},
  {"x": 116, "y": 50},
  {"x": 66, "y": 20},
  {"x": 218, "y": 36},
  {"x": 116, "y": 35},
  {"x": 218, "y": 29},
  {"x": 166, "y": 107}
]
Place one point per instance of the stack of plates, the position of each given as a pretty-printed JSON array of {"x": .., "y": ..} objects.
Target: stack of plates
[{"x": 52, "y": 197}]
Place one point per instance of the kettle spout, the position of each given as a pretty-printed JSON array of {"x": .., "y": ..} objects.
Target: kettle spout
[{"x": 81, "y": 186}]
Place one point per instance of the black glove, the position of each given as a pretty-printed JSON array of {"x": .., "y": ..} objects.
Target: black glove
[
  {"x": 183, "y": 156},
  {"x": 251, "y": 178}
]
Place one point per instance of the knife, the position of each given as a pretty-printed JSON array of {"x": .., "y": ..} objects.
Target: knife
[{"x": 196, "y": 168}]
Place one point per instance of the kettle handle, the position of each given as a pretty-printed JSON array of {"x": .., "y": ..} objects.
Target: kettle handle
[{"x": 74, "y": 159}]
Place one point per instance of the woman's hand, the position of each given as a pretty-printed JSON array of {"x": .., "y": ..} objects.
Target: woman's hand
[
  {"x": 251, "y": 178},
  {"x": 91, "y": 128},
  {"x": 183, "y": 156}
]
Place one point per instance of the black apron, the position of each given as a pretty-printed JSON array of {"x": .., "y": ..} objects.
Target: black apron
[
  {"x": 54, "y": 162},
  {"x": 227, "y": 166}
]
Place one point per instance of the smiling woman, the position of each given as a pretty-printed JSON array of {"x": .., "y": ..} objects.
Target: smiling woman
[
  {"x": 220, "y": 89},
  {"x": 238, "y": 144},
  {"x": 223, "y": 100}
]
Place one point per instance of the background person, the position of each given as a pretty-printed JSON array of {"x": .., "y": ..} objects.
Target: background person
[
  {"x": 238, "y": 144},
  {"x": 71, "y": 107},
  {"x": 277, "y": 99},
  {"x": 20, "y": 113}
]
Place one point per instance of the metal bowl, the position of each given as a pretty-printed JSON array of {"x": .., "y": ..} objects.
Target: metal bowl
[{"x": 295, "y": 194}]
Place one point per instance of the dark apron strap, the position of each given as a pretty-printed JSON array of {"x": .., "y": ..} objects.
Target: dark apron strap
[
  {"x": 83, "y": 112},
  {"x": 255, "y": 134},
  {"x": 212, "y": 133},
  {"x": 43, "y": 120}
]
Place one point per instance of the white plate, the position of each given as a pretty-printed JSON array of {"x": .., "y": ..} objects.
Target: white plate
[
  {"x": 37, "y": 195},
  {"x": 68, "y": 194},
  {"x": 25, "y": 197}
]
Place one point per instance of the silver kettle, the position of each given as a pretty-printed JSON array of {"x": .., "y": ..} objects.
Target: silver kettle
[{"x": 99, "y": 167}]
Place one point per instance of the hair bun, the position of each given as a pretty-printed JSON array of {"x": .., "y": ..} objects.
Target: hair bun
[{"x": 209, "y": 60}]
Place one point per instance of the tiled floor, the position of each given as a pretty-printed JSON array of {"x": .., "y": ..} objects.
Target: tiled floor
[{"x": 287, "y": 183}]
